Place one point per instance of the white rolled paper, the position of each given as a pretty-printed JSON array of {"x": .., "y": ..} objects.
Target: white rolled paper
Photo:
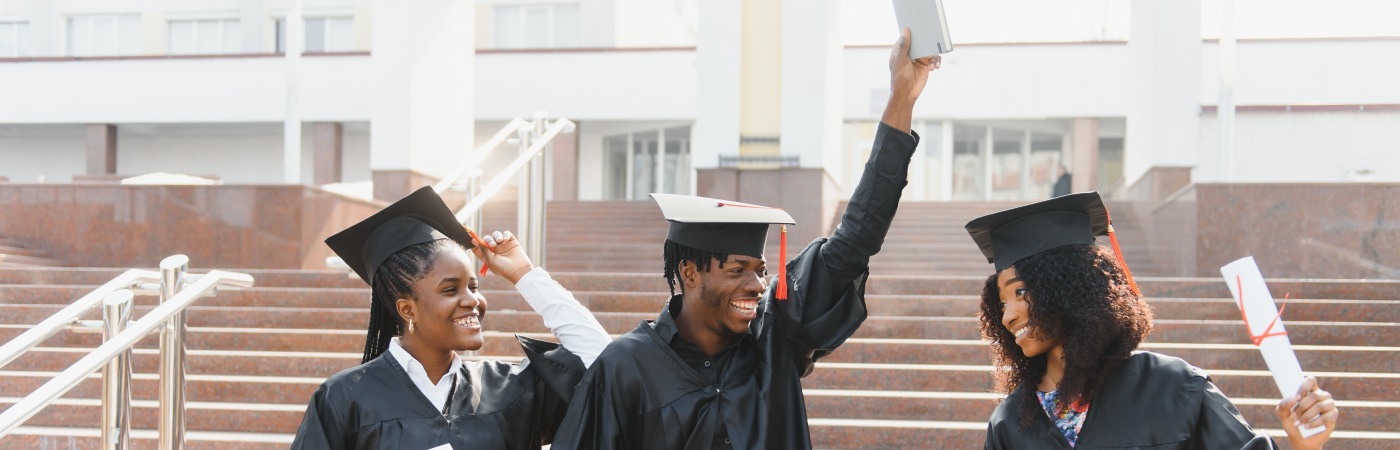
[{"x": 1266, "y": 330}]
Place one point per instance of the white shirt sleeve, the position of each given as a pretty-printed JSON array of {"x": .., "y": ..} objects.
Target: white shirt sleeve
[{"x": 572, "y": 323}]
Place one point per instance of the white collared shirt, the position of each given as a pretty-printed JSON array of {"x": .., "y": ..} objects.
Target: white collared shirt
[
  {"x": 436, "y": 393},
  {"x": 572, "y": 323}
]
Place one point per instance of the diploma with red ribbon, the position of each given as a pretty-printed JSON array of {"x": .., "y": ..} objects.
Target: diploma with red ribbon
[{"x": 1261, "y": 319}]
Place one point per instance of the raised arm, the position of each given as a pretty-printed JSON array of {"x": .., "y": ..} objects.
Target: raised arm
[
  {"x": 876, "y": 197},
  {"x": 577, "y": 329}
]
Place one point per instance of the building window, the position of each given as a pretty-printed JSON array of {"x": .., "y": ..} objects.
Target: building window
[
  {"x": 323, "y": 34},
  {"x": 14, "y": 39},
  {"x": 104, "y": 35},
  {"x": 536, "y": 26},
  {"x": 637, "y": 164},
  {"x": 205, "y": 37}
]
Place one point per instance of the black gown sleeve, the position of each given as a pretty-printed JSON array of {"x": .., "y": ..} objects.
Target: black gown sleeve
[
  {"x": 872, "y": 207},
  {"x": 556, "y": 371},
  {"x": 1221, "y": 426},
  {"x": 826, "y": 282},
  {"x": 321, "y": 427}
]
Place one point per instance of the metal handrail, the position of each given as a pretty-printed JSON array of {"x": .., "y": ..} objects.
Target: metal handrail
[
  {"x": 69, "y": 315},
  {"x": 494, "y": 186},
  {"x": 122, "y": 342},
  {"x": 465, "y": 169}
]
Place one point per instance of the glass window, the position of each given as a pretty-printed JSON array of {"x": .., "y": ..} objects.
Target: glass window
[
  {"x": 536, "y": 26},
  {"x": 205, "y": 37},
  {"x": 969, "y": 169},
  {"x": 1044, "y": 164},
  {"x": 677, "y": 167},
  {"x": 14, "y": 39},
  {"x": 615, "y": 167},
  {"x": 646, "y": 166},
  {"x": 104, "y": 35},
  {"x": 323, "y": 34}
]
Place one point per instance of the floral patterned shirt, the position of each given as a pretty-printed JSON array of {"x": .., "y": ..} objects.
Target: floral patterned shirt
[{"x": 1068, "y": 423}]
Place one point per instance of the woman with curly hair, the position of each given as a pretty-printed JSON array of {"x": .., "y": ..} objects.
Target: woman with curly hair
[{"x": 1065, "y": 320}]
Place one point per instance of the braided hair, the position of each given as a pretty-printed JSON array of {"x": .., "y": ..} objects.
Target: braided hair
[
  {"x": 392, "y": 281},
  {"x": 676, "y": 253}
]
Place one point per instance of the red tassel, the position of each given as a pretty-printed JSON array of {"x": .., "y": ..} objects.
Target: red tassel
[
  {"x": 782, "y": 265},
  {"x": 477, "y": 239},
  {"x": 1113, "y": 239}
]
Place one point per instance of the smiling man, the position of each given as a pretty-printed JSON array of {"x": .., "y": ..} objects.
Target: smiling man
[{"x": 721, "y": 367}]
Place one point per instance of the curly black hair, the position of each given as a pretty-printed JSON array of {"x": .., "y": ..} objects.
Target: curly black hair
[{"x": 1080, "y": 296}]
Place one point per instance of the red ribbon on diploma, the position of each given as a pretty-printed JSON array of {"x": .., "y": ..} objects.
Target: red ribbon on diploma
[{"x": 1258, "y": 339}]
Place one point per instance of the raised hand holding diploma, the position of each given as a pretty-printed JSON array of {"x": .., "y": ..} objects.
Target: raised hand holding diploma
[{"x": 1306, "y": 411}]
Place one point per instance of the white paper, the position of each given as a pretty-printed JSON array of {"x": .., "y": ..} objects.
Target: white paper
[
  {"x": 442, "y": 447},
  {"x": 1258, "y": 307}
]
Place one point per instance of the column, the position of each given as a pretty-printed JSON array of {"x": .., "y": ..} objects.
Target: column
[
  {"x": 101, "y": 149},
  {"x": 328, "y": 152},
  {"x": 422, "y": 124},
  {"x": 1084, "y": 155},
  {"x": 1164, "y": 106}
]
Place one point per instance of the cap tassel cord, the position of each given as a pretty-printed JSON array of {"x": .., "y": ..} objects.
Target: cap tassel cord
[
  {"x": 1113, "y": 239},
  {"x": 782, "y": 265},
  {"x": 484, "y": 249}
]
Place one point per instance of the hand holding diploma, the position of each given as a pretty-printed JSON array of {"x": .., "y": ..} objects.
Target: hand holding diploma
[{"x": 1307, "y": 412}]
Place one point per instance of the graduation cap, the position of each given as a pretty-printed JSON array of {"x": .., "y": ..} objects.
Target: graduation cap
[
  {"x": 1008, "y": 236},
  {"x": 728, "y": 227},
  {"x": 418, "y": 218}
]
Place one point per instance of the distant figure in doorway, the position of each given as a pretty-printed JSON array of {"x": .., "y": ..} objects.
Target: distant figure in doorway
[{"x": 1061, "y": 184}]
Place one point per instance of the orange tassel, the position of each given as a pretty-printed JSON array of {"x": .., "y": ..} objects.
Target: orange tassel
[
  {"x": 782, "y": 265},
  {"x": 1113, "y": 239},
  {"x": 484, "y": 249}
]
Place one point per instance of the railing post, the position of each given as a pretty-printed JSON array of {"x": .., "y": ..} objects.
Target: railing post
[
  {"x": 172, "y": 357},
  {"x": 532, "y": 194},
  {"x": 116, "y": 376}
]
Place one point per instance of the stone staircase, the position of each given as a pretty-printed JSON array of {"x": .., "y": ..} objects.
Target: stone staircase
[
  {"x": 14, "y": 253},
  {"x": 916, "y": 375}
]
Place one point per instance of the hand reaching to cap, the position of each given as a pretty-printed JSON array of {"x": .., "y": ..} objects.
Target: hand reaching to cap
[
  {"x": 1311, "y": 407},
  {"x": 907, "y": 80},
  {"x": 505, "y": 256}
]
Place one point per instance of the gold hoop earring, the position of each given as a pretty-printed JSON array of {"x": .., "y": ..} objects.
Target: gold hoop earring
[{"x": 410, "y": 326}]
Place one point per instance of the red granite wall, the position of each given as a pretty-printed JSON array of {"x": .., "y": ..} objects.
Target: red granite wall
[{"x": 226, "y": 226}]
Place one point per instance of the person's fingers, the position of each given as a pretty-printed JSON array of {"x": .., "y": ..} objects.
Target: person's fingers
[
  {"x": 1285, "y": 408},
  {"x": 1309, "y": 384},
  {"x": 497, "y": 234},
  {"x": 1313, "y": 415},
  {"x": 937, "y": 61},
  {"x": 510, "y": 236},
  {"x": 904, "y": 40}
]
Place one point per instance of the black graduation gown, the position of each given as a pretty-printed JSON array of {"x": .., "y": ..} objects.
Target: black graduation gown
[
  {"x": 640, "y": 394},
  {"x": 1150, "y": 401},
  {"x": 495, "y": 405}
]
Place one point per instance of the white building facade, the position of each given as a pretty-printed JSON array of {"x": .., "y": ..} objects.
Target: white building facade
[{"x": 109, "y": 88}]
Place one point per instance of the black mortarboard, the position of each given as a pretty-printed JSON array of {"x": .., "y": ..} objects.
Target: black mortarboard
[
  {"x": 1011, "y": 235},
  {"x": 420, "y": 217},
  {"x": 723, "y": 226}
]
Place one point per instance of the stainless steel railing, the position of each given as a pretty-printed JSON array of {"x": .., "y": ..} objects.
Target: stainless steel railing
[
  {"x": 532, "y": 138},
  {"x": 115, "y": 352},
  {"x": 532, "y": 143}
]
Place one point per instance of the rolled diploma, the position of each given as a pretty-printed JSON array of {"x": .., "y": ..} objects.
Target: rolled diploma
[{"x": 1259, "y": 307}]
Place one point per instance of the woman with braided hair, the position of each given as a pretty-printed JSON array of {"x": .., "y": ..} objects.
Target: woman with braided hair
[
  {"x": 412, "y": 391},
  {"x": 1065, "y": 319}
]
